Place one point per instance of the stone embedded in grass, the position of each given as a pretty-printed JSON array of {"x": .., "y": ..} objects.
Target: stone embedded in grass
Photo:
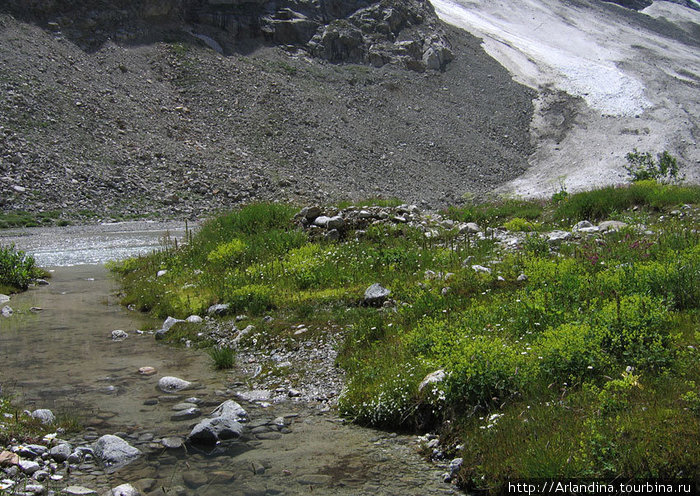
[
  {"x": 171, "y": 384},
  {"x": 219, "y": 310},
  {"x": 612, "y": 225},
  {"x": 432, "y": 378},
  {"x": 375, "y": 295},
  {"x": 469, "y": 228},
  {"x": 194, "y": 319},
  {"x": 6, "y": 311},
  {"x": 167, "y": 324},
  {"x": 481, "y": 268},
  {"x": 44, "y": 415},
  {"x": 4, "y": 298},
  {"x": 558, "y": 236}
]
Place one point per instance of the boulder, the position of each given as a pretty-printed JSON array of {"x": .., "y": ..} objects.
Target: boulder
[
  {"x": 375, "y": 295},
  {"x": 194, "y": 319},
  {"x": 169, "y": 384},
  {"x": 558, "y": 236},
  {"x": 6, "y": 311},
  {"x": 612, "y": 225},
  {"x": 469, "y": 228},
  {"x": 224, "y": 423},
  {"x": 44, "y": 415},
  {"x": 114, "y": 451},
  {"x": 310, "y": 213}
]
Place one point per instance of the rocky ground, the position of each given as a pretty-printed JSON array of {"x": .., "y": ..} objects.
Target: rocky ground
[{"x": 172, "y": 126}]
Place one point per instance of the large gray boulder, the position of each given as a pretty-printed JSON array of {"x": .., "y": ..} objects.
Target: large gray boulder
[
  {"x": 224, "y": 423},
  {"x": 114, "y": 451},
  {"x": 375, "y": 295}
]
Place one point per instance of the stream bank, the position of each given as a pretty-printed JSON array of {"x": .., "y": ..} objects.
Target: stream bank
[{"x": 63, "y": 358}]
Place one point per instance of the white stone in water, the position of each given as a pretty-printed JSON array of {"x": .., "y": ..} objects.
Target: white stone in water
[
  {"x": 112, "y": 450},
  {"x": 119, "y": 335},
  {"x": 170, "y": 384},
  {"x": 78, "y": 491},
  {"x": 125, "y": 490}
]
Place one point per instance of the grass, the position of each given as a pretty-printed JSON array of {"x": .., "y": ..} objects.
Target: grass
[
  {"x": 17, "y": 426},
  {"x": 20, "y": 218},
  {"x": 587, "y": 368},
  {"x": 223, "y": 358}
]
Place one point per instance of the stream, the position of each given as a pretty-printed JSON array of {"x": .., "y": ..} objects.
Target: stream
[{"x": 56, "y": 352}]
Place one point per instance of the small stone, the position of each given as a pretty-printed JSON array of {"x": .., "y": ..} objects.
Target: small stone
[
  {"x": 188, "y": 414},
  {"x": 44, "y": 415},
  {"x": 147, "y": 371},
  {"x": 219, "y": 310},
  {"x": 34, "y": 489},
  {"x": 112, "y": 450},
  {"x": 469, "y": 228},
  {"x": 522, "y": 278},
  {"x": 78, "y": 491},
  {"x": 119, "y": 335},
  {"x": 170, "y": 384},
  {"x": 172, "y": 442},
  {"x": 194, "y": 319},
  {"x": 8, "y": 458},
  {"x": 161, "y": 273},
  {"x": 481, "y": 268},
  {"x": 557, "y": 236},
  {"x": 376, "y": 294},
  {"x": 6, "y": 311},
  {"x": 183, "y": 406},
  {"x": 611, "y": 225},
  {"x": 294, "y": 393},
  {"x": 4, "y": 298},
  {"x": 41, "y": 475},
  {"x": 28, "y": 466},
  {"x": 61, "y": 452},
  {"x": 194, "y": 479}
]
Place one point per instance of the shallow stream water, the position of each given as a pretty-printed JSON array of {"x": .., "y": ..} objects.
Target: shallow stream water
[{"x": 62, "y": 357}]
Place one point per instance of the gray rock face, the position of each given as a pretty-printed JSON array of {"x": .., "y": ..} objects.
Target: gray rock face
[
  {"x": 225, "y": 423},
  {"x": 44, "y": 415},
  {"x": 114, "y": 451},
  {"x": 376, "y": 294},
  {"x": 170, "y": 384}
]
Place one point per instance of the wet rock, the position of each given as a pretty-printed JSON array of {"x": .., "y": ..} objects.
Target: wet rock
[
  {"x": 150, "y": 402},
  {"x": 375, "y": 295},
  {"x": 183, "y": 406},
  {"x": 125, "y": 490},
  {"x": 169, "y": 384},
  {"x": 34, "y": 489},
  {"x": 187, "y": 414},
  {"x": 119, "y": 335},
  {"x": 6, "y": 311},
  {"x": 172, "y": 442},
  {"x": 194, "y": 479},
  {"x": 223, "y": 424},
  {"x": 29, "y": 466},
  {"x": 147, "y": 370},
  {"x": 114, "y": 451},
  {"x": 45, "y": 416},
  {"x": 254, "y": 395},
  {"x": 78, "y": 491},
  {"x": 41, "y": 475},
  {"x": 455, "y": 466},
  {"x": 32, "y": 450},
  {"x": 146, "y": 485}
]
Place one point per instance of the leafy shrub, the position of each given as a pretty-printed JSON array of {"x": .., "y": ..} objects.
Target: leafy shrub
[
  {"x": 570, "y": 350},
  {"x": 254, "y": 298},
  {"x": 519, "y": 224},
  {"x": 642, "y": 166},
  {"x": 227, "y": 253},
  {"x": 17, "y": 269}
]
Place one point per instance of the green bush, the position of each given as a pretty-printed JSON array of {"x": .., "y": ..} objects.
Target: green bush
[
  {"x": 223, "y": 357},
  {"x": 254, "y": 298},
  {"x": 519, "y": 224},
  {"x": 570, "y": 351},
  {"x": 17, "y": 269},
  {"x": 228, "y": 253}
]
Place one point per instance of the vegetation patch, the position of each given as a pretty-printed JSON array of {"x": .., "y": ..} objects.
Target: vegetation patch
[
  {"x": 17, "y": 270},
  {"x": 537, "y": 359}
]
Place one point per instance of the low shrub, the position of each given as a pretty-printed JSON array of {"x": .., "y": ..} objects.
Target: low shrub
[{"x": 17, "y": 269}]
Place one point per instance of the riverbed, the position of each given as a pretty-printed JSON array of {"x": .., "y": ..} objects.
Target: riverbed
[{"x": 57, "y": 352}]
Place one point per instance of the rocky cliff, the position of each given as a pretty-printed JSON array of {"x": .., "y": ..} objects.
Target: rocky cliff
[{"x": 400, "y": 32}]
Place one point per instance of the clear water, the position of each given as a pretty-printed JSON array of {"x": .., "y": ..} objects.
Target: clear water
[{"x": 63, "y": 358}]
